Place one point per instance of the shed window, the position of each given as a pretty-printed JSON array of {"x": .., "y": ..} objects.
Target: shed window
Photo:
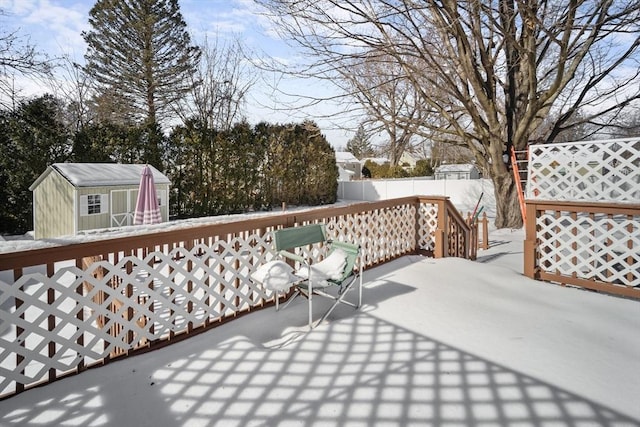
[
  {"x": 161, "y": 196},
  {"x": 94, "y": 204}
]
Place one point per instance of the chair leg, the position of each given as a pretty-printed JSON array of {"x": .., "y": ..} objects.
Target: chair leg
[
  {"x": 334, "y": 305},
  {"x": 360, "y": 287},
  {"x": 310, "y": 305},
  {"x": 341, "y": 296}
]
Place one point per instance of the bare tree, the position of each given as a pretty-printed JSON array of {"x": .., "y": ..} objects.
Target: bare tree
[
  {"x": 502, "y": 66},
  {"x": 17, "y": 57},
  {"x": 387, "y": 99},
  {"x": 74, "y": 86},
  {"x": 219, "y": 86},
  {"x": 629, "y": 126}
]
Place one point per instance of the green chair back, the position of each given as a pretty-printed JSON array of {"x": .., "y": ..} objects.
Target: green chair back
[{"x": 289, "y": 238}]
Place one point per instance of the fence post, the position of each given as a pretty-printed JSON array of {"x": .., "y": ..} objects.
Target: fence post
[
  {"x": 473, "y": 243},
  {"x": 530, "y": 246},
  {"x": 485, "y": 231},
  {"x": 418, "y": 231},
  {"x": 441, "y": 232}
]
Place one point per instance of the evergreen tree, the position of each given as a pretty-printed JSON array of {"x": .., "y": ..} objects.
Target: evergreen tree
[
  {"x": 31, "y": 138},
  {"x": 423, "y": 168},
  {"x": 321, "y": 173},
  {"x": 359, "y": 145},
  {"x": 245, "y": 169},
  {"x": 140, "y": 51},
  {"x": 301, "y": 167}
]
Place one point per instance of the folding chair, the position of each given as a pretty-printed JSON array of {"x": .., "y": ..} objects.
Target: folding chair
[{"x": 337, "y": 270}]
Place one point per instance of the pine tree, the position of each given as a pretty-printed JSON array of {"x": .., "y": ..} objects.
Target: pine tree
[
  {"x": 31, "y": 138},
  {"x": 359, "y": 145},
  {"x": 140, "y": 51}
]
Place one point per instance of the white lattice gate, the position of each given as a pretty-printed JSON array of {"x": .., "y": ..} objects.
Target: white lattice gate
[
  {"x": 594, "y": 171},
  {"x": 583, "y": 214}
]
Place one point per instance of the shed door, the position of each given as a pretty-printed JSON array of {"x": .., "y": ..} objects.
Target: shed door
[{"x": 122, "y": 205}]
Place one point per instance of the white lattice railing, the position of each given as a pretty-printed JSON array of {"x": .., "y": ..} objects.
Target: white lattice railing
[
  {"x": 583, "y": 214},
  {"x": 64, "y": 309},
  {"x": 591, "y": 245},
  {"x": 592, "y": 171}
]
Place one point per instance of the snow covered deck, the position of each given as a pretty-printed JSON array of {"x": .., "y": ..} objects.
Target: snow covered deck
[{"x": 438, "y": 342}]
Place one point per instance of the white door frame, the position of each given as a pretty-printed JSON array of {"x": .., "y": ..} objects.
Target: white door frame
[{"x": 121, "y": 219}]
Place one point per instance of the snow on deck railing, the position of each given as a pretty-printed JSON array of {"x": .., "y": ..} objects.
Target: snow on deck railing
[
  {"x": 593, "y": 171},
  {"x": 66, "y": 308}
]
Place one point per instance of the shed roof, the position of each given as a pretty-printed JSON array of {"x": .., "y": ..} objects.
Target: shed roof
[
  {"x": 346, "y": 157},
  {"x": 377, "y": 160},
  {"x": 459, "y": 167},
  {"x": 101, "y": 174}
]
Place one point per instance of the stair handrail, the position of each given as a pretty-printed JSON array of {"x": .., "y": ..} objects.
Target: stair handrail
[{"x": 517, "y": 178}]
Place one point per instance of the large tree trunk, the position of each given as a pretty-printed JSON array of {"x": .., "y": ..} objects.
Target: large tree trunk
[{"x": 507, "y": 206}]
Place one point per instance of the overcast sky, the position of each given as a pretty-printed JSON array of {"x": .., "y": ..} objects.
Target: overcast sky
[{"x": 55, "y": 27}]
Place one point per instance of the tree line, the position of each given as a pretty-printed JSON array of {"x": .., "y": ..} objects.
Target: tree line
[
  {"x": 212, "y": 172},
  {"x": 147, "y": 94},
  {"x": 487, "y": 76}
]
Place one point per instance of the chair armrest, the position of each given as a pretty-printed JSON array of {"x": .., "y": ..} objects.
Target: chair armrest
[{"x": 292, "y": 256}]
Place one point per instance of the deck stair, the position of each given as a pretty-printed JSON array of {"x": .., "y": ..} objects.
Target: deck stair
[{"x": 519, "y": 166}]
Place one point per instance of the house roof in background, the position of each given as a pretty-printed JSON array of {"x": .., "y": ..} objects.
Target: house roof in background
[
  {"x": 377, "y": 160},
  {"x": 346, "y": 157},
  {"x": 101, "y": 174}
]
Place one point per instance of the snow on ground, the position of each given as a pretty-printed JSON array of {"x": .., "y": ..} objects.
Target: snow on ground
[
  {"x": 437, "y": 342},
  {"x": 26, "y": 242}
]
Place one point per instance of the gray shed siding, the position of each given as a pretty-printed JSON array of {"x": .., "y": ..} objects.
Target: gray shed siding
[
  {"x": 53, "y": 200},
  {"x": 93, "y": 221},
  {"x": 121, "y": 206},
  {"x": 457, "y": 171},
  {"x": 60, "y": 207}
]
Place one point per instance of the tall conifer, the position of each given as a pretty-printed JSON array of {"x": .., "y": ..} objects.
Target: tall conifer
[{"x": 140, "y": 53}]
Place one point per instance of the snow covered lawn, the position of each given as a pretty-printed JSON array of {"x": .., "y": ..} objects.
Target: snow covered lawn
[{"x": 438, "y": 342}]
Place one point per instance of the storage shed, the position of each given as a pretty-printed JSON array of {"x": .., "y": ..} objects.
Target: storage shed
[
  {"x": 349, "y": 167},
  {"x": 457, "y": 171},
  {"x": 73, "y": 197}
]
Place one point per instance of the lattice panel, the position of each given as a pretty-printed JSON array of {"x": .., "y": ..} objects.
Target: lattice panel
[
  {"x": 371, "y": 242},
  {"x": 594, "y": 247},
  {"x": 57, "y": 318},
  {"x": 352, "y": 229},
  {"x": 591, "y": 171},
  {"x": 456, "y": 240},
  {"x": 427, "y": 224},
  {"x": 82, "y": 315},
  {"x": 389, "y": 233},
  {"x": 347, "y": 228},
  {"x": 400, "y": 228}
]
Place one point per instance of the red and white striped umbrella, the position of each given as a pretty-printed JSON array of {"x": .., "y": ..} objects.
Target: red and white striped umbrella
[{"x": 147, "y": 209}]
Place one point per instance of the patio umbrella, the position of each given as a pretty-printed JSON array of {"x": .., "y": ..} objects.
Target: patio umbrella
[{"x": 147, "y": 209}]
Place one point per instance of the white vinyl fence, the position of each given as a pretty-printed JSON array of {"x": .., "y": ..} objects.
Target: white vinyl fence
[{"x": 463, "y": 193}]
